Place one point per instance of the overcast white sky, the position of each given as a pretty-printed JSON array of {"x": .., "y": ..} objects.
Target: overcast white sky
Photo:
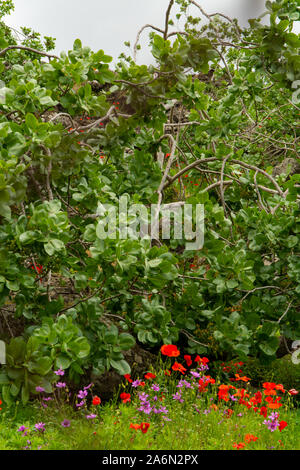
[{"x": 106, "y": 24}]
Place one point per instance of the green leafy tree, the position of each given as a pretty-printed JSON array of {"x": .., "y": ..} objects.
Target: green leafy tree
[{"x": 206, "y": 123}]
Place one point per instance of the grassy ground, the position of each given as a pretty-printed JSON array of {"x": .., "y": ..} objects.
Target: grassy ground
[
  {"x": 188, "y": 430},
  {"x": 196, "y": 420}
]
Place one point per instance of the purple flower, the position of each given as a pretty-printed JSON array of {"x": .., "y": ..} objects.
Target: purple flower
[
  {"x": 80, "y": 404},
  {"x": 40, "y": 427},
  {"x": 155, "y": 410},
  {"x": 136, "y": 383},
  {"x": 91, "y": 416},
  {"x": 195, "y": 374},
  {"x": 177, "y": 396},
  {"x": 40, "y": 389},
  {"x": 180, "y": 384},
  {"x": 272, "y": 422},
  {"x": 272, "y": 425},
  {"x": 203, "y": 368},
  {"x": 155, "y": 387},
  {"x": 88, "y": 386},
  {"x": 47, "y": 398},
  {"x": 206, "y": 412},
  {"x": 59, "y": 372},
  {"x": 166, "y": 418},
  {"x": 66, "y": 423},
  {"x": 22, "y": 429},
  {"x": 61, "y": 384},
  {"x": 163, "y": 409},
  {"x": 82, "y": 394},
  {"x": 143, "y": 396},
  {"x": 184, "y": 383},
  {"x": 146, "y": 408}
]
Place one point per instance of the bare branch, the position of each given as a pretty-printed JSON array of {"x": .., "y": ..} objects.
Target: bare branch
[
  {"x": 139, "y": 35},
  {"x": 167, "y": 19},
  {"x": 29, "y": 49},
  {"x": 262, "y": 206}
]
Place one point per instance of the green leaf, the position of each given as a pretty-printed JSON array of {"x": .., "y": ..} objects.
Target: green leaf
[
  {"x": 4, "y": 380},
  {"x": 5, "y": 393},
  {"x": 126, "y": 341},
  {"x": 25, "y": 394},
  {"x": 54, "y": 245},
  {"x": 269, "y": 347},
  {"x": 41, "y": 366},
  {"x": 28, "y": 237},
  {"x": 31, "y": 121},
  {"x": 122, "y": 367},
  {"x": 63, "y": 362},
  {"x": 81, "y": 347}
]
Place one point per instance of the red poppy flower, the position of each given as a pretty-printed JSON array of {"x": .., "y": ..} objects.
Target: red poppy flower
[
  {"x": 270, "y": 391},
  {"x": 204, "y": 381},
  {"x": 188, "y": 360},
  {"x": 229, "y": 412},
  {"x": 169, "y": 350},
  {"x": 241, "y": 393},
  {"x": 125, "y": 397},
  {"x": 224, "y": 391},
  {"x": 264, "y": 411},
  {"x": 202, "y": 360},
  {"x": 144, "y": 427},
  {"x": 134, "y": 426},
  {"x": 269, "y": 385},
  {"x": 243, "y": 379},
  {"x": 273, "y": 404},
  {"x": 250, "y": 437},
  {"x": 258, "y": 397},
  {"x": 282, "y": 425},
  {"x": 96, "y": 401},
  {"x": 179, "y": 367},
  {"x": 239, "y": 445},
  {"x": 293, "y": 391},
  {"x": 149, "y": 375},
  {"x": 128, "y": 377}
]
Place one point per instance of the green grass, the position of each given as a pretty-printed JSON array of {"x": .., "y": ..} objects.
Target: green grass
[{"x": 189, "y": 428}]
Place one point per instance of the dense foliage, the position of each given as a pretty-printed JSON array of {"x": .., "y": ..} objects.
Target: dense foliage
[{"x": 221, "y": 104}]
